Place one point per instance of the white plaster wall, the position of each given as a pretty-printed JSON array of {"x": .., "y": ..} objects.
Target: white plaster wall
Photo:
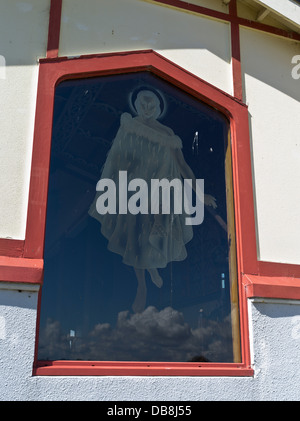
[
  {"x": 273, "y": 97},
  {"x": 275, "y": 343},
  {"x": 23, "y": 37},
  {"x": 275, "y": 339},
  {"x": 196, "y": 43},
  {"x": 17, "y": 332}
]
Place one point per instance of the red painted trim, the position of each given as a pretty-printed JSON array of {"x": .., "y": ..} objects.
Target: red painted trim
[
  {"x": 14, "y": 269},
  {"x": 229, "y": 17},
  {"x": 272, "y": 287},
  {"x": 24, "y": 260},
  {"x": 194, "y": 8},
  {"x": 54, "y": 71},
  {"x": 243, "y": 192},
  {"x": 236, "y": 53},
  {"x": 38, "y": 189},
  {"x": 12, "y": 248},
  {"x": 278, "y": 269},
  {"x": 269, "y": 29},
  {"x": 96, "y": 368},
  {"x": 54, "y": 28}
]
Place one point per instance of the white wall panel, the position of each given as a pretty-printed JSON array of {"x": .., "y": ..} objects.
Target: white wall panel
[
  {"x": 23, "y": 39},
  {"x": 273, "y": 97},
  {"x": 196, "y": 43}
]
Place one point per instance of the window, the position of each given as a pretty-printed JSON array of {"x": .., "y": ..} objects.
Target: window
[{"x": 140, "y": 286}]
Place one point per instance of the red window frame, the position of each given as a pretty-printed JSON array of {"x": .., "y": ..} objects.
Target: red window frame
[
  {"x": 52, "y": 72},
  {"x": 21, "y": 261}
]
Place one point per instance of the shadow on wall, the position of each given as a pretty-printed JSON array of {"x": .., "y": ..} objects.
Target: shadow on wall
[
  {"x": 279, "y": 309},
  {"x": 268, "y": 59},
  {"x": 18, "y": 298},
  {"x": 23, "y": 31},
  {"x": 138, "y": 25},
  {"x": 99, "y": 29}
]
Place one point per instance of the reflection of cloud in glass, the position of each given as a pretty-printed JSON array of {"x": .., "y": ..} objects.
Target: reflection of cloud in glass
[{"x": 148, "y": 336}]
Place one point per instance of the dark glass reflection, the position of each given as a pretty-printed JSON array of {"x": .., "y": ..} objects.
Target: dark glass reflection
[{"x": 126, "y": 287}]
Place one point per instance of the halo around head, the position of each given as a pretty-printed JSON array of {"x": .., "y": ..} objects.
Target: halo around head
[
  {"x": 154, "y": 93},
  {"x": 155, "y": 101}
]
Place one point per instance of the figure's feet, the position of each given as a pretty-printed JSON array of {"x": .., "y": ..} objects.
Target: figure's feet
[{"x": 155, "y": 277}]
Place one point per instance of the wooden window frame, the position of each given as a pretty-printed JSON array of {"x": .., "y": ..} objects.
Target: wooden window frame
[
  {"x": 55, "y": 70},
  {"x": 21, "y": 261}
]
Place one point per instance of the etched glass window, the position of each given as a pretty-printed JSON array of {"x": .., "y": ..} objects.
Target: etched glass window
[{"x": 139, "y": 244}]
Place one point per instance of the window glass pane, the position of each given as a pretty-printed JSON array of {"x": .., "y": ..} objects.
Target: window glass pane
[{"x": 132, "y": 284}]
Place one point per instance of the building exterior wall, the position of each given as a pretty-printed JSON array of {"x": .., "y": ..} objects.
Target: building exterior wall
[
  {"x": 273, "y": 98},
  {"x": 275, "y": 338},
  {"x": 202, "y": 46},
  {"x": 23, "y": 41},
  {"x": 96, "y": 28}
]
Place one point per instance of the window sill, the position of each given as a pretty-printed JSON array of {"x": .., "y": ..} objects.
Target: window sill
[
  {"x": 21, "y": 270},
  {"x": 94, "y": 368},
  {"x": 284, "y": 287}
]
